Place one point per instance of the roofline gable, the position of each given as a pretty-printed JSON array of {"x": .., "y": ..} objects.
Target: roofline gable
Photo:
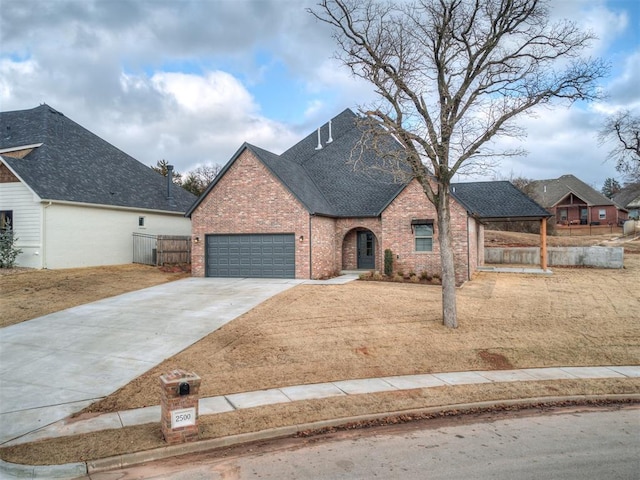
[
  {"x": 6, "y": 164},
  {"x": 245, "y": 146}
]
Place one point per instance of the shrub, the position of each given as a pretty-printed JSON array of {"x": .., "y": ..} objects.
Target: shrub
[
  {"x": 388, "y": 262},
  {"x": 8, "y": 250}
]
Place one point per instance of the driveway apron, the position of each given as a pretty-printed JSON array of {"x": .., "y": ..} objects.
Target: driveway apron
[{"x": 55, "y": 365}]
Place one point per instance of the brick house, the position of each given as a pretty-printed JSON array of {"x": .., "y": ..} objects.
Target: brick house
[
  {"x": 573, "y": 202},
  {"x": 308, "y": 213}
]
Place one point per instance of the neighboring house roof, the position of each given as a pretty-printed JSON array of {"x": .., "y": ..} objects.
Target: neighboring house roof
[
  {"x": 69, "y": 163},
  {"x": 497, "y": 201},
  {"x": 628, "y": 197},
  {"x": 549, "y": 193},
  {"x": 324, "y": 180}
]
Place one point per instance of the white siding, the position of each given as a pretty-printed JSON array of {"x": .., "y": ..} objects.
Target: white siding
[
  {"x": 27, "y": 211},
  {"x": 83, "y": 236}
]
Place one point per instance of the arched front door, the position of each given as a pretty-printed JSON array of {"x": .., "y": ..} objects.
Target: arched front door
[{"x": 366, "y": 250}]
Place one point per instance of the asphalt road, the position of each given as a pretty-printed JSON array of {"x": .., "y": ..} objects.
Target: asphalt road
[{"x": 579, "y": 443}]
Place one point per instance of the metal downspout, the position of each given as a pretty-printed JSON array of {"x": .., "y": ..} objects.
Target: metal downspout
[{"x": 44, "y": 235}]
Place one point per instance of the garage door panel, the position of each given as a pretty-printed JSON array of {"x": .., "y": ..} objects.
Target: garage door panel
[{"x": 257, "y": 255}]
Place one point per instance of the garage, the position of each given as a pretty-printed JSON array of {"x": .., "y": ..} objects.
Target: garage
[{"x": 252, "y": 255}]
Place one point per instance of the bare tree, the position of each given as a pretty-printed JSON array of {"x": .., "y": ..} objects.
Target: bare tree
[
  {"x": 451, "y": 76},
  {"x": 623, "y": 129},
  {"x": 196, "y": 181}
]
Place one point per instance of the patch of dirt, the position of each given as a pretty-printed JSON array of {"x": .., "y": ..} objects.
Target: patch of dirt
[
  {"x": 495, "y": 361},
  {"x": 495, "y": 238},
  {"x": 28, "y": 293}
]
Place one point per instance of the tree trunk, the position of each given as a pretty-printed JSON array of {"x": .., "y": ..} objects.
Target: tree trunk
[{"x": 449, "y": 311}]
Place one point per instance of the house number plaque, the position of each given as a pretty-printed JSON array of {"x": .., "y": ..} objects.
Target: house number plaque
[{"x": 184, "y": 417}]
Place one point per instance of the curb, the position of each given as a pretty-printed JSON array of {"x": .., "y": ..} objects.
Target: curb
[{"x": 76, "y": 470}]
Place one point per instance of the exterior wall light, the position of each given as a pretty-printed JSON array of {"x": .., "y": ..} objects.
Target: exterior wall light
[
  {"x": 196, "y": 240},
  {"x": 301, "y": 239}
]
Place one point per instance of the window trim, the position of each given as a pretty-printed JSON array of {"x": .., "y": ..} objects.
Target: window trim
[
  {"x": 141, "y": 221},
  {"x": 4, "y": 216},
  {"x": 415, "y": 223},
  {"x": 602, "y": 214}
]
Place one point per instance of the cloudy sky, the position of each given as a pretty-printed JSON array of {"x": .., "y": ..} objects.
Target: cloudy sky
[{"x": 190, "y": 80}]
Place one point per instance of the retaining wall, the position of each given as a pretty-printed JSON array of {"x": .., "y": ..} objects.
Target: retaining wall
[{"x": 602, "y": 257}]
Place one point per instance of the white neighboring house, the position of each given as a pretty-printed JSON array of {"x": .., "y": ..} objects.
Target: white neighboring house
[{"x": 73, "y": 199}]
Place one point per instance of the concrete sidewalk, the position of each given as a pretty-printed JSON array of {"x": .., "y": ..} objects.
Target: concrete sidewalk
[
  {"x": 228, "y": 403},
  {"x": 55, "y": 365},
  {"x": 240, "y": 401}
]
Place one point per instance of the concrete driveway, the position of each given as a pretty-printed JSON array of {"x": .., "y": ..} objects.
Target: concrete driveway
[{"x": 55, "y": 365}]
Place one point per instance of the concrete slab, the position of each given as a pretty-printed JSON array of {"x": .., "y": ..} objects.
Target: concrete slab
[
  {"x": 140, "y": 416},
  {"x": 341, "y": 280},
  {"x": 630, "y": 371},
  {"x": 506, "y": 375},
  {"x": 310, "y": 392},
  {"x": 407, "y": 382},
  {"x": 592, "y": 372},
  {"x": 20, "y": 422},
  {"x": 551, "y": 373},
  {"x": 365, "y": 385},
  {"x": 213, "y": 405},
  {"x": 257, "y": 399},
  {"x": 461, "y": 378},
  {"x": 89, "y": 351}
]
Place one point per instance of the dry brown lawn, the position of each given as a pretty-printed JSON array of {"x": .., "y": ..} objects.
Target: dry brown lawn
[
  {"x": 26, "y": 293},
  {"x": 310, "y": 334}
]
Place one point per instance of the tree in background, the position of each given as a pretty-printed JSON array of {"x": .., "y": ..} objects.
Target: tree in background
[
  {"x": 610, "y": 187},
  {"x": 194, "y": 181},
  {"x": 451, "y": 75},
  {"x": 623, "y": 130},
  {"x": 198, "y": 180},
  {"x": 162, "y": 168}
]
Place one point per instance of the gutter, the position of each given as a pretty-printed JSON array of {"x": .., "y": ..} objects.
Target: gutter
[{"x": 110, "y": 207}]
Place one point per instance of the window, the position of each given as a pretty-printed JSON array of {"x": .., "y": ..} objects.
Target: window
[
  {"x": 141, "y": 221},
  {"x": 602, "y": 214},
  {"x": 563, "y": 214},
  {"x": 6, "y": 220},
  {"x": 424, "y": 237}
]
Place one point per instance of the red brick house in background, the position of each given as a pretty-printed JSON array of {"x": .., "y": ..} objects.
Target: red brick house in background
[
  {"x": 307, "y": 213},
  {"x": 573, "y": 202}
]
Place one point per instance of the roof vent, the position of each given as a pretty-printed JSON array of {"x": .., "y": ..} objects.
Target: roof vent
[
  {"x": 319, "y": 147},
  {"x": 330, "y": 137}
]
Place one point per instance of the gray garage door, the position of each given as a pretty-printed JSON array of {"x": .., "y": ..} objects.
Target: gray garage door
[{"x": 257, "y": 256}]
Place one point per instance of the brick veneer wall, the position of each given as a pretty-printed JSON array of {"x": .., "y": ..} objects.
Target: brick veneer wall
[
  {"x": 248, "y": 199},
  {"x": 323, "y": 250},
  {"x": 347, "y": 238},
  {"x": 397, "y": 234}
]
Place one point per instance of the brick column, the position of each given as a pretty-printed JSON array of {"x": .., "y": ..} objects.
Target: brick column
[{"x": 179, "y": 406}]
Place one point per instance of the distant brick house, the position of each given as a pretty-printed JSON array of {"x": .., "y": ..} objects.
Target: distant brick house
[
  {"x": 573, "y": 202},
  {"x": 307, "y": 213}
]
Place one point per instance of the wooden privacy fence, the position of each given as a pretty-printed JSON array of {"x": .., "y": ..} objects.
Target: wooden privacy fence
[
  {"x": 582, "y": 230},
  {"x": 161, "y": 249}
]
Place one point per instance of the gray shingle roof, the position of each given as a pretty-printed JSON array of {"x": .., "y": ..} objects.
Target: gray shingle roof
[
  {"x": 324, "y": 180},
  {"x": 496, "y": 201},
  {"x": 549, "y": 192},
  {"x": 628, "y": 197},
  {"x": 75, "y": 165}
]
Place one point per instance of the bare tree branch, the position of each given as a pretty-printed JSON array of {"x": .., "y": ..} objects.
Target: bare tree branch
[{"x": 452, "y": 76}]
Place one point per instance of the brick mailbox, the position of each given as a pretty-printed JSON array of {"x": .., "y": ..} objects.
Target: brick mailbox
[{"x": 179, "y": 406}]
